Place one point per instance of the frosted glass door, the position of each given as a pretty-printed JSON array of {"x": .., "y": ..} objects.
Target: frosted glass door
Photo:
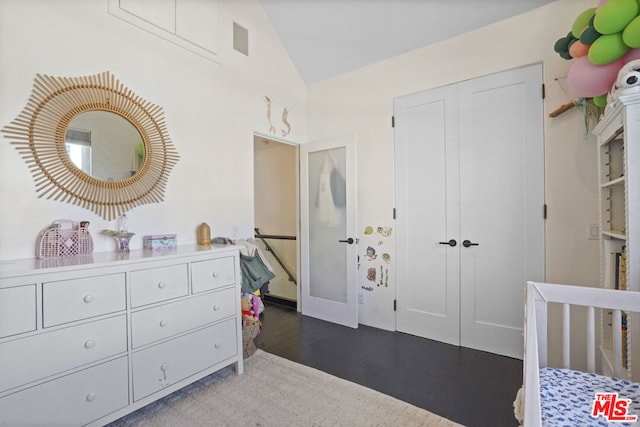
[
  {"x": 328, "y": 231},
  {"x": 327, "y": 225}
]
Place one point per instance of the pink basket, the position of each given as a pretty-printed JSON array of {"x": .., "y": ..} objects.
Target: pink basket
[{"x": 64, "y": 238}]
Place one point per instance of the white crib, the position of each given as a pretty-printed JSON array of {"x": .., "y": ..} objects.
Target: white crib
[{"x": 538, "y": 295}]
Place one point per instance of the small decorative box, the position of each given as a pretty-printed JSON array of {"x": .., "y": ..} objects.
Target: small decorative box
[{"x": 160, "y": 242}]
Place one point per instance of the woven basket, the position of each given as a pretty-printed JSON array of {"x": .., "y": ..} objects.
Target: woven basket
[
  {"x": 249, "y": 332},
  {"x": 64, "y": 238}
]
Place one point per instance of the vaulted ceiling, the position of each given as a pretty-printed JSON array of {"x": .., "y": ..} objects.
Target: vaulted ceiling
[{"x": 326, "y": 38}]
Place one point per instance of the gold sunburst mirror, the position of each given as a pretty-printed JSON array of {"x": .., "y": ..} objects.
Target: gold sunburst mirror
[{"x": 91, "y": 141}]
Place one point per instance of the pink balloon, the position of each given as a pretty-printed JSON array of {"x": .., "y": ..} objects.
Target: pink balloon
[
  {"x": 600, "y": 4},
  {"x": 588, "y": 80},
  {"x": 631, "y": 55}
]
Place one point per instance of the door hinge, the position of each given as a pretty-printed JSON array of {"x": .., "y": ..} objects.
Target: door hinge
[
  {"x": 393, "y": 121},
  {"x": 543, "y": 91},
  {"x": 395, "y": 305},
  {"x": 544, "y": 211},
  {"x": 394, "y": 213}
]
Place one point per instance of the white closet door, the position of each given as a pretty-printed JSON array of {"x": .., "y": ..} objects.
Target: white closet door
[
  {"x": 470, "y": 166},
  {"x": 426, "y": 155},
  {"x": 501, "y": 205}
]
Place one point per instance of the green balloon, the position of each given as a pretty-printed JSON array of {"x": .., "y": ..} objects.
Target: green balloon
[
  {"x": 631, "y": 34},
  {"x": 608, "y": 48},
  {"x": 589, "y": 35},
  {"x": 600, "y": 100},
  {"x": 614, "y": 15},
  {"x": 582, "y": 21},
  {"x": 561, "y": 45}
]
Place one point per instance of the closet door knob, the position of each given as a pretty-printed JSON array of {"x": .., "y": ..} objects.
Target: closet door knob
[
  {"x": 349, "y": 241},
  {"x": 467, "y": 243},
  {"x": 451, "y": 243}
]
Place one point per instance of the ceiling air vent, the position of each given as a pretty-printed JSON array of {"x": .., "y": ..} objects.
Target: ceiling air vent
[{"x": 240, "y": 39}]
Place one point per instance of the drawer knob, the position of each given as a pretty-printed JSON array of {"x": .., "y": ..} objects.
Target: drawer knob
[
  {"x": 215, "y": 274},
  {"x": 89, "y": 344},
  {"x": 89, "y": 299},
  {"x": 162, "y": 285},
  {"x": 217, "y": 345},
  {"x": 91, "y": 397},
  {"x": 164, "y": 366},
  {"x": 163, "y": 323},
  {"x": 216, "y": 307}
]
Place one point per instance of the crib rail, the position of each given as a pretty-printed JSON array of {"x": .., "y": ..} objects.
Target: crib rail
[{"x": 538, "y": 295}]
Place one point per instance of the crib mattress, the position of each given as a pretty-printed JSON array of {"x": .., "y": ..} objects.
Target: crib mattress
[{"x": 567, "y": 397}]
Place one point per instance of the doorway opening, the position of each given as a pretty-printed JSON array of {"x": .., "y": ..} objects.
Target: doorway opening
[{"x": 276, "y": 215}]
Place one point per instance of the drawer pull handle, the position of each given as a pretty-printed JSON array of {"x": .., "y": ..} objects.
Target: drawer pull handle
[
  {"x": 217, "y": 345},
  {"x": 89, "y": 299},
  {"x": 216, "y": 307},
  {"x": 89, "y": 344},
  {"x": 164, "y": 323},
  {"x": 162, "y": 285},
  {"x": 215, "y": 274},
  {"x": 164, "y": 366},
  {"x": 91, "y": 397}
]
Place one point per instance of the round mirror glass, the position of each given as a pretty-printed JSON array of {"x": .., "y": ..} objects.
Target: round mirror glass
[{"x": 104, "y": 145}]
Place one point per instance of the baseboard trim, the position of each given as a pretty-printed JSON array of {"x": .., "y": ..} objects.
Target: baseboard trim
[{"x": 285, "y": 302}]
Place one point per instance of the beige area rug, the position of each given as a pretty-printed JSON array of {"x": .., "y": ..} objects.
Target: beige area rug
[{"x": 274, "y": 391}]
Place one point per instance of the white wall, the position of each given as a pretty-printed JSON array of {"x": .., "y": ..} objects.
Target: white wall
[
  {"x": 361, "y": 103},
  {"x": 211, "y": 112}
]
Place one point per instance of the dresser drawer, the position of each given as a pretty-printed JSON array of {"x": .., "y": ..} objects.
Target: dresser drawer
[
  {"x": 158, "y": 284},
  {"x": 32, "y": 358},
  {"x": 69, "y": 300},
  {"x": 212, "y": 274},
  {"x": 161, "y": 322},
  {"x": 17, "y": 310},
  {"x": 165, "y": 364},
  {"x": 72, "y": 400}
]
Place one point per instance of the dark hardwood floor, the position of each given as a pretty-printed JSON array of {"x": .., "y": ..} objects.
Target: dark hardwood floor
[{"x": 471, "y": 387}]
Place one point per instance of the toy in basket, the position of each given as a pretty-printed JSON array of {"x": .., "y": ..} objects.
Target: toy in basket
[{"x": 64, "y": 238}]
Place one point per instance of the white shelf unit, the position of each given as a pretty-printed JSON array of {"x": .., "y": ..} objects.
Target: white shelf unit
[{"x": 618, "y": 136}]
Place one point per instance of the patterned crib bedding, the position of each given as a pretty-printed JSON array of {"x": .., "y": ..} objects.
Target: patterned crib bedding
[{"x": 566, "y": 397}]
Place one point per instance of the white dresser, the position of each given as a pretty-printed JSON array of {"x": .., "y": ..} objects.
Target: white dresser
[{"x": 88, "y": 340}]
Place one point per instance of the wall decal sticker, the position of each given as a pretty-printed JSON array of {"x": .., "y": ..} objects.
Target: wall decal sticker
[
  {"x": 371, "y": 274},
  {"x": 272, "y": 129},
  {"x": 285, "y": 115},
  {"x": 385, "y": 231},
  {"x": 386, "y": 258},
  {"x": 368, "y": 230},
  {"x": 371, "y": 253}
]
